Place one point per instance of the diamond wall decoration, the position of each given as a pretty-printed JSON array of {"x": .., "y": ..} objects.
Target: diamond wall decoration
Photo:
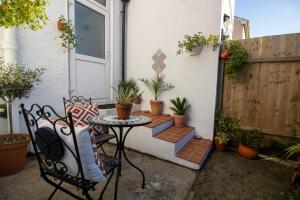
[{"x": 158, "y": 59}]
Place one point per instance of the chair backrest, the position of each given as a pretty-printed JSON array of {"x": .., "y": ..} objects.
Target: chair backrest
[{"x": 47, "y": 130}]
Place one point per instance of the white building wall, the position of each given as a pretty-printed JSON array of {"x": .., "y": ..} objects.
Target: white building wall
[{"x": 159, "y": 24}]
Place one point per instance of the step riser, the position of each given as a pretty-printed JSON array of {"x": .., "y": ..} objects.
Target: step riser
[
  {"x": 183, "y": 141},
  {"x": 163, "y": 126},
  {"x": 205, "y": 157}
]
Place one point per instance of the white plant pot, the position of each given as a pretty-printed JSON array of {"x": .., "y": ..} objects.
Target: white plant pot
[{"x": 196, "y": 51}]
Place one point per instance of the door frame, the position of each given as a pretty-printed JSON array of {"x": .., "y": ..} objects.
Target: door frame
[{"x": 108, "y": 61}]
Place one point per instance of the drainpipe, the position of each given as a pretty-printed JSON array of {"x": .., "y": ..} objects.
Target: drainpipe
[{"x": 123, "y": 36}]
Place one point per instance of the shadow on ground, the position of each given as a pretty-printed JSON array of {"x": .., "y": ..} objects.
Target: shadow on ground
[
  {"x": 228, "y": 176},
  {"x": 164, "y": 181}
]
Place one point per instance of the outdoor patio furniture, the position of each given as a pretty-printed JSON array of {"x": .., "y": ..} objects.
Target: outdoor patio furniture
[
  {"x": 113, "y": 122},
  {"x": 101, "y": 135},
  {"x": 64, "y": 152}
]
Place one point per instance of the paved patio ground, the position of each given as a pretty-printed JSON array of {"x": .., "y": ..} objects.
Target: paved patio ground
[
  {"x": 228, "y": 176},
  {"x": 164, "y": 181}
]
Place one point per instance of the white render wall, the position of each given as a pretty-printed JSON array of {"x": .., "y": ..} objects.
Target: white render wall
[{"x": 159, "y": 24}]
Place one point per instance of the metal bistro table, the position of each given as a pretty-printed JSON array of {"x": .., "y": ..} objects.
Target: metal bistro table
[{"x": 113, "y": 122}]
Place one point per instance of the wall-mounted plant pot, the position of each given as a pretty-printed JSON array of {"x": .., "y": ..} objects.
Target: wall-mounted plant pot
[
  {"x": 156, "y": 107},
  {"x": 196, "y": 51},
  {"x": 247, "y": 152},
  {"x": 13, "y": 155},
  {"x": 219, "y": 146},
  {"x": 60, "y": 25},
  {"x": 179, "y": 120},
  {"x": 225, "y": 54},
  {"x": 123, "y": 111}
]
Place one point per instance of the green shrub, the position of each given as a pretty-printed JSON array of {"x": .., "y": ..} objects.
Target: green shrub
[{"x": 179, "y": 106}]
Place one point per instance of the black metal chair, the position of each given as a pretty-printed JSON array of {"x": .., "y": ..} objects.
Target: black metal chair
[
  {"x": 101, "y": 138},
  {"x": 50, "y": 148}
]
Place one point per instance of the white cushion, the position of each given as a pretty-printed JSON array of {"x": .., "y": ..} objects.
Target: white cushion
[{"x": 90, "y": 169}]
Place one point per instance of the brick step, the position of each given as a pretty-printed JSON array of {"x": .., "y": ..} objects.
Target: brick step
[
  {"x": 196, "y": 151},
  {"x": 179, "y": 136}
]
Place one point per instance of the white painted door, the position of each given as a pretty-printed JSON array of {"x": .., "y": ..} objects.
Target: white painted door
[{"x": 90, "y": 71}]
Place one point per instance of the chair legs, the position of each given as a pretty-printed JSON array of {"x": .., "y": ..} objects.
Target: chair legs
[
  {"x": 54, "y": 191},
  {"x": 117, "y": 182},
  {"x": 107, "y": 182}
]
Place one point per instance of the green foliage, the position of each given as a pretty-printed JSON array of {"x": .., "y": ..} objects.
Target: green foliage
[
  {"x": 127, "y": 91},
  {"x": 237, "y": 60},
  {"x": 3, "y": 111},
  {"x": 251, "y": 139},
  {"x": 179, "y": 106},
  {"x": 67, "y": 34},
  {"x": 25, "y": 13},
  {"x": 16, "y": 81},
  {"x": 292, "y": 150},
  {"x": 197, "y": 40},
  {"x": 157, "y": 85},
  {"x": 223, "y": 137},
  {"x": 225, "y": 124}
]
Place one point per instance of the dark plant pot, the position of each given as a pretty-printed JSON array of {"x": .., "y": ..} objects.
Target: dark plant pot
[
  {"x": 219, "y": 146},
  {"x": 156, "y": 107},
  {"x": 225, "y": 54},
  {"x": 138, "y": 100},
  {"x": 60, "y": 25},
  {"x": 179, "y": 120},
  {"x": 247, "y": 152},
  {"x": 123, "y": 111},
  {"x": 12, "y": 156}
]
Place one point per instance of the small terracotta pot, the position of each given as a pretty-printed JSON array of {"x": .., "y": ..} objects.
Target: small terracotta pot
[
  {"x": 179, "y": 120},
  {"x": 225, "y": 54},
  {"x": 123, "y": 110},
  {"x": 219, "y": 146},
  {"x": 12, "y": 156},
  {"x": 60, "y": 25},
  {"x": 247, "y": 152},
  {"x": 156, "y": 107},
  {"x": 138, "y": 100}
]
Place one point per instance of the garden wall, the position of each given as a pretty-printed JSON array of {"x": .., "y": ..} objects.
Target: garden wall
[{"x": 268, "y": 97}]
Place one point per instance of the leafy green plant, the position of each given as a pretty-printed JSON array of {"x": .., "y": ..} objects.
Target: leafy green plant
[
  {"x": 197, "y": 40},
  {"x": 24, "y": 13},
  {"x": 250, "y": 139},
  {"x": 67, "y": 33},
  {"x": 16, "y": 82},
  {"x": 224, "y": 124},
  {"x": 3, "y": 110},
  {"x": 237, "y": 60},
  {"x": 292, "y": 150},
  {"x": 157, "y": 85},
  {"x": 179, "y": 106},
  {"x": 131, "y": 84},
  {"x": 126, "y": 91},
  {"x": 223, "y": 137}
]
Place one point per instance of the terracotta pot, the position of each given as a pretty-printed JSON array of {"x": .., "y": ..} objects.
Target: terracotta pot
[
  {"x": 60, "y": 25},
  {"x": 247, "y": 152},
  {"x": 225, "y": 54},
  {"x": 156, "y": 107},
  {"x": 179, "y": 120},
  {"x": 219, "y": 146},
  {"x": 123, "y": 110},
  {"x": 12, "y": 156},
  {"x": 138, "y": 100}
]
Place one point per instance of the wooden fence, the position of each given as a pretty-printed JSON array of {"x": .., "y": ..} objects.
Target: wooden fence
[{"x": 268, "y": 97}]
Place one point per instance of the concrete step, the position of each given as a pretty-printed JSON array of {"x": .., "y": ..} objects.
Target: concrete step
[
  {"x": 179, "y": 136},
  {"x": 196, "y": 151}
]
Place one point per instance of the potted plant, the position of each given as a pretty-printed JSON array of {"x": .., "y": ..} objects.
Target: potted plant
[
  {"x": 131, "y": 83},
  {"x": 15, "y": 82},
  {"x": 125, "y": 94},
  {"x": 157, "y": 85},
  {"x": 294, "y": 150},
  {"x": 226, "y": 129},
  {"x": 67, "y": 33},
  {"x": 237, "y": 60},
  {"x": 180, "y": 107},
  {"x": 249, "y": 144},
  {"x": 195, "y": 43}
]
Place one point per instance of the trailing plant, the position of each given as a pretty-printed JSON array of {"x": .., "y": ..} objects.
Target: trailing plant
[
  {"x": 16, "y": 82},
  {"x": 223, "y": 137},
  {"x": 197, "y": 40},
  {"x": 157, "y": 85},
  {"x": 224, "y": 124},
  {"x": 3, "y": 110},
  {"x": 179, "y": 106},
  {"x": 67, "y": 33},
  {"x": 250, "y": 139},
  {"x": 24, "y": 13},
  {"x": 237, "y": 60}
]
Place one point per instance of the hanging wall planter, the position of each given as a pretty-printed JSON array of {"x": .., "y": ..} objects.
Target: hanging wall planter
[
  {"x": 225, "y": 54},
  {"x": 196, "y": 51},
  {"x": 67, "y": 35},
  {"x": 60, "y": 25}
]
